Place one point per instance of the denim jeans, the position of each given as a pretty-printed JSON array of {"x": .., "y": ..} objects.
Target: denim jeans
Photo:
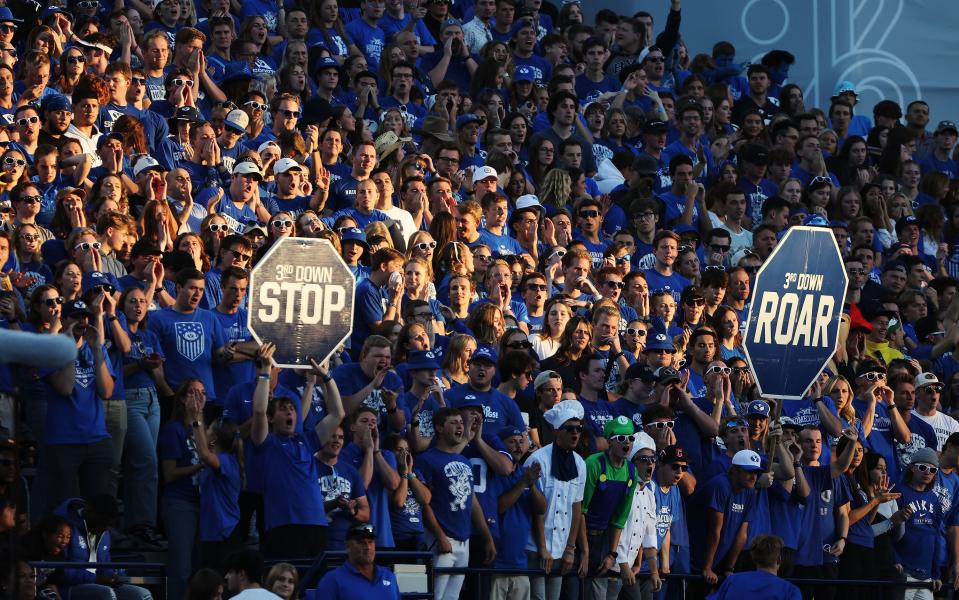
[
  {"x": 115, "y": 413},
  {"x": 140, "y": 478},
  {"x": 182, "y": 521},
  {"x": 93, "y": 591}
]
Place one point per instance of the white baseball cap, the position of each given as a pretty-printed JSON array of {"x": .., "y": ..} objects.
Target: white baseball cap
[
  {"x": 247, "y": 167},
  {"x": 238, "y": 120},
  {"x": 747, "y": 460},
  {"x": 484, "y": 172},
  {"x": 145, "y": 163},
  {"x": 285, "y": 164}
]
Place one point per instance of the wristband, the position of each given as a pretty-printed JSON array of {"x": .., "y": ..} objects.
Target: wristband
[
  {"x": 325, "y": 378},
  {"x": 263, "y": 377}
]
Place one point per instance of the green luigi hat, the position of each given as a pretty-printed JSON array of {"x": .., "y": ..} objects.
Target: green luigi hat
[{"x": 619, "y": 426}]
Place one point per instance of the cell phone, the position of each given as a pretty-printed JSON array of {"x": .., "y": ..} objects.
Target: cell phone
[{"x": 395, "y": 279}]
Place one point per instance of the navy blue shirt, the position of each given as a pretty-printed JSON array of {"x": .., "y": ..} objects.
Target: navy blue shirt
[
  {"x": 450, "y": 479},
  {"x": 346, "y": 583}
]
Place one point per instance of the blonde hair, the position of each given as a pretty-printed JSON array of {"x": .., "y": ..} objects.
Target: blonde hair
[{"x": 556, "y": 189}]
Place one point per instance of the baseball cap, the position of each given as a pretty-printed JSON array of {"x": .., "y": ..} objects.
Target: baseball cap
[
  {"x": 894, "y": 265},
  {"x": 644, "y": 164},
  {"x": 76, "y": 307},
  {"x": 946, "y": 126},
  {"x": 655, "y": 127},
  {"x": 361, "y": 531},
  {"x": 508, "y": 431},
  {"x": 466, "y": 119},
  {"x": 747, "y": 460},
  {"x": 484, "y": 172},
  {"x": 672, "y": 454},
  {"x": 237, "y": 70},
  {"x": 354, "y": 234},
  {"x": 906, "y": 221},
  {"x": 524, "y": 73},
  {"x": 326, "y": 62},
  {"x": 106, "y": 137},
  {"x": 265, "y": 145},
  {"x": 621, "y": 425},
  {"x": 659, "y": 341},
  {"x": 422, "y": 360},
  {"x": 667, "y": 375},
  {"x": 246, "y": 167},
  {"x": 927, "y": 379},
  {"x": 145, "y": 247},
  {"x": 543, "y": 377},
  {"x": 188, "y": 113},
  {"x": 237, "y": 120},
  {"x": 925, "y": 455},
  {"x": 145, "y": 163},
  {"x": 844, "y": 86},
  {"x": 451, "y": 23},
  {"x": 93, "y": 279},
  {"x": 285, "y": 164},
  {"x": 640, "y": 371},
  {"x": 758, "y": 407},
  {"x": 754, "y": 154},
  {"x": 483, "y": 354}
]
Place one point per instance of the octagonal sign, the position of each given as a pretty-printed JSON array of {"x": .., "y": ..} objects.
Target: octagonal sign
[
  {"x": 793, "y": 323},
  {"x": 301, "y": 299}
]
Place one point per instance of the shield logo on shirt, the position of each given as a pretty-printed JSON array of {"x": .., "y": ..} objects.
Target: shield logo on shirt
[{"x": 189, "y": 340}]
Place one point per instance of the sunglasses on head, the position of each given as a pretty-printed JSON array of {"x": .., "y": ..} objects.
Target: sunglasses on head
[
  {"x": 424, "y": 246},
  {"x": 76, "y": 59},
  {"x": 572, "y": 428},
  {"x": 282, "y": 223},
  {"x": 715, "y": 268},
  {"x": 560, "y": 253},
  {"x": 51, "y": 302},
  {"x": 87, "y": 246},
  {"x": 720, "y": 370},
  {"x": 216, "y": 227},
  {"x": 226, "y": 104},
  {"x": 924, "y": 468},
  {"x": 659, "y": 425},
  {"x": 182, "y": 82},
  {"x": 588, "y": 214},
  {"x": 739, "y": 422},
  {"x": 256, "y": 105},
  {"x": 624, "y": 439},
  {"x": 636, "y": 331}
]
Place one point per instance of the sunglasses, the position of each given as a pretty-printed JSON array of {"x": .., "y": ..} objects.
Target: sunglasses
[
  {"x": 656, "y": 59},
  {"x": 28, "y": 120},
  {"x": 873, "y": 376},
  {"x": 31, "y": 237},
  {"x": 87, "y": 246},
  {"x": 821, "y": 179},
  {"x": 289, "y": 114},
  {"x": 572, "y": 428},
  {"x": 424, "y": 246},
  {"x": 615, "y": 284},
  {"x": 536, "y": 287},
  {"x": 10, "y": 162},
  {"x": 483, "y": 258},
  {"x": 30, "y": 199},
  {"x": 680, "y": 467},
  {"x": 423, "y": 316},
  {"x": 8, "y": 28},
  {"x": 720, "y": 370},
  {"x": 256, "y": 105},
  {"x": 741, "y": 370},
  {"x": 622, "y": 260},
  {"x": 588, "y": 214},
  {"x": 737, "y": 423},
  {"x": 240, "y": 255},
  {"x": 636, "y": 331},
  {"x": 856, "y": 271},
  {"x": 647, "y": 459},
  {"x": 11, "y": 51},
  {"x": 520, "y": 345},
  {"x": 282, "y": 223},
  {"x": 924, "y": 468},
  {"x": 719, "y": 248},
  {"x": 715, "y": 268},
  {"x": 51, "y": 302},
  {"x": 106, "y": 288},
  {"x": 73, "y": 60},
  {"x": 182, "y": 82},
  {"x": 88, "y": 4},
  {"x": 624, "y": 439},
  {"x": 935, "y": 388},
  {"x": 225, "y": 104},
  {"x": 560, "y": 253},
  {"x": 216, "y": 228},
  {"x": 695, "y": 302},
  {"x": 659, "y": 425},
  {"x": 138, "y": 80}
]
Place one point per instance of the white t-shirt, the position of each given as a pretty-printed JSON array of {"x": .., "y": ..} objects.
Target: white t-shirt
[
  {"x": 404, "y": 219},
  {"x": 257, "y": 594},
  {"x": 943, "y": 424}
]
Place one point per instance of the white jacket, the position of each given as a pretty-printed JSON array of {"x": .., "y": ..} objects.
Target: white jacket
[{"x": 560, "y": 497}]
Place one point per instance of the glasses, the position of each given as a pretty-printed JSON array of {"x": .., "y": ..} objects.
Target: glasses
[
  {"x": 741, "y": 370},
  {"x": 182, "y": 82},
  {"x": 449, "y": 159},
  {"x": 873, "y": 376},
  {"x": 51, "y": 302},
  {"x": 624, "y": 259},
  {"x": 924, "y": 468},
  {"x": 77, "y": 59},
  {"x": 423, "y": 316},
  {"x": 560, "y": 253},
  {"x": 659, "y": 425},
  {"x": 256, "y": 105},
  {"x": 624, "y": 439},
  {"x": 28, "y": 120},
  {"x": 483, "y": 258},
  {"x": 588, "y": 214},
  {"x": 695, "y": 302},
  {"x": 715, "y": 268},
  {"x": 289, "y": 114},
  {"x": 636, "y": 331},
  {"x": 572, "y": 428},
  {"x": 821, "y": 179},
  {"x": 424, "y": 246},
  {"x": 680, "y": 467},
  {"x": 138, "y": 80},
  {"x": 719, "y": 248},
  {"x": 87, "y": 246},
  {"x": 10, "y": 162},
  {"x": 856, "y": 271},
  {"x": 11, "y": 51},
  {"x": 645, "y": 215},
  {"x": 240, "y": 255},
  {"x": 934, "y": 388},
  {"x": 719, "y": 370},
  {"x": 216, "y": 228},
  {"x": 520, "y": 345},
  {"x": 88, "y": 4},
  {"x": 647, "y": 459},
  {"x": 656, "y": 59},
  {"x": 7, "y": 28},
  {"x": 536, "y": 287},
  {"x": 29, "y": 199},
  {"x": 282, "y": 223},
  {"x": 31, "y": 237}
]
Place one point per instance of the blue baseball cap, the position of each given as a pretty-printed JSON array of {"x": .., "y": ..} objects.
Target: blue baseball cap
[
  {"x": 467, "y": 401},
  {"x": 758, "y": 407},
  {"x": 6, "y": 16},
  {"x": 355, "y": 234},
  {"x": 659, "y": 341},
  {"x": 422, "y": 360},
  {"x": 464, "y": 120},
  {"x": 508, "y": 431},
  {"x": 76, "y": 307},
  {"x": 238, "y": 69},
  {"x": 524, "y": 73},
  {"x": 326, "y": 62},
  {"x": 816, "y": 221},
  {"x": 48, "y": 12},
  {"x": 483, "y": 353},
  {"x": 94, "y": 279}
]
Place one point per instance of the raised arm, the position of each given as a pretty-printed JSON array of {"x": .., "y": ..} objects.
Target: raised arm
[{"x": 261, "y": 396}]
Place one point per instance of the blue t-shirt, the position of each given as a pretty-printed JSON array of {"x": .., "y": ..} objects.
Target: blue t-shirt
[
  {"x": 188, "y": 342},
  {"x": 370, "y": 41},
  {"x": 143, "y": 343},
  {"x": 450, "y": 479},
  {"x": 407, "y": 520},
  {"x": 339, "y": 480},
  {"x": 346, "y": 582},
  {"x": 514, "y": 524},
  {"x": 737, "y": 507},
  {"x": 292, "y": 495},
  {"x": 805, "y": 413},
  {"x": 817, "y": 516},
  {"x": 500, "y": 245},
  {"x": 499, "y": 410},
  {"x": 674, "y": 283},
  {"x": 881, "y": 437},
  {"x": 755, "y": 585},
  {"x": 596, "y": 414},
  {"x": 350, "y": 379},
  {"x": 918, "y": 548},
  {"x": 670, "y": 516},
  {"x": 220, "y": 499},
  {"x": 229, "y": 374},
  {"x": 369, "y": 308},
  {"x": 588, "y": 90},
  {"x": 77, "y": 418},
  {"x": 376, "y": 494},
  {"x": 176, "y": 443}
]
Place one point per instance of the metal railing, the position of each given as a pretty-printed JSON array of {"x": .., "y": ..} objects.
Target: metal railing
[{"x": 132, "y": 579}]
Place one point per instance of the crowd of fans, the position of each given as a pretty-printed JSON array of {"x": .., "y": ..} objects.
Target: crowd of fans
[{"x": 555, "y": 227}]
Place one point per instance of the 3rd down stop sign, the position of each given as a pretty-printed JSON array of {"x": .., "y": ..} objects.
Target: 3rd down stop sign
[
  {"x": 301, "y": 299},
  {"x": 793, "y": 323}
]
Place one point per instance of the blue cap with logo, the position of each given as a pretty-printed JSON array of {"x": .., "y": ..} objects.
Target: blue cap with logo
[
  {"x": 421, "y": 360},
  {"x": 757, "y": 407},
  {"x": 483, "y": 353}
]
